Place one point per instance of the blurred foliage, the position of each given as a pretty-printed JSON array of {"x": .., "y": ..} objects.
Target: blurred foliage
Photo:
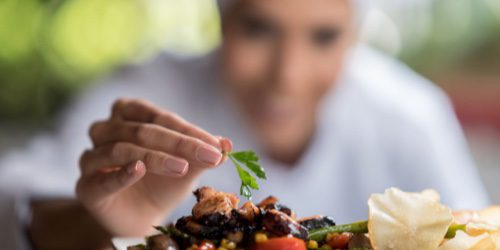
[
  {"x": 49, "y": 49},
  {"x": 452, "y": 36}
]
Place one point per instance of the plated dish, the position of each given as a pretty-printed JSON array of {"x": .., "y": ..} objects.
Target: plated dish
[{"x": 396, "y": 220}]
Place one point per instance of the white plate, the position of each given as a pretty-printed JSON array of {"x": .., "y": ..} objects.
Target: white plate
[{"x": 121, "y": 243}]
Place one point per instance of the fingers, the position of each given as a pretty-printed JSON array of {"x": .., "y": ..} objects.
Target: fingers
[
  {"x": 104, "y": 184},
  {"x": 226, "y": 145},
  {"x": 120, "y": 154},
  {"x": 145, "y": 112},
  {"x": 158, "y": 138}
]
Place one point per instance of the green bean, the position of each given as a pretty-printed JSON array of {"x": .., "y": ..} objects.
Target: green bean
[
  {"x": 452, "y": 230},
  {"x": 362, "y": 227},
  {"x": 356, "y": 227}
]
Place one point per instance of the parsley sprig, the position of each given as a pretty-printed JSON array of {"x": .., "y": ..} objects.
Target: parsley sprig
[{"x": 250, "y": 160}]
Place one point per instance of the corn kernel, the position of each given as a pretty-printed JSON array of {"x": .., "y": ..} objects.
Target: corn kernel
[
  {"x": 231, "y": 245},
  {"x": 312, "y": 244},
  {"x": 260, "y": 237},
  {"x": 330, "y": 236},
  {"x": 326, "y": 247},
  {"x": 235, "y": 237},
  {"x": 228, "y": 244}
]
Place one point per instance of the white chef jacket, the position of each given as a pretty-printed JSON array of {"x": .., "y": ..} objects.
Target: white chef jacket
[{"x": 381, "y": 126}]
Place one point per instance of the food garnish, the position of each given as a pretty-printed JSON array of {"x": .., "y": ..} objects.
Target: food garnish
[
  {"x": 400, "y": 220},
  {"x": 397, "y": 220},
  {"x": 250, "y": 160}
]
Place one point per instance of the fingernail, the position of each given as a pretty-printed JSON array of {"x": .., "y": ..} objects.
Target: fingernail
[
  {"x": 131, "y": 169},
  {"x": 176, "y": 166},
  {"x": 208, "y": 154},
  {"x": 227, "y": 145}
]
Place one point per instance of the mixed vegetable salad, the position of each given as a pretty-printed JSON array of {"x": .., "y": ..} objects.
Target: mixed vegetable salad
[{"x": 397, "y": 220}]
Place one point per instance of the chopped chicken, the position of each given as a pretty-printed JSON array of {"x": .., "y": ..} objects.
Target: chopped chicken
[
  {"x": 211, "y": 202},
  {"x": 270, "y": 200},
  {"x": 249, "y": 211}
]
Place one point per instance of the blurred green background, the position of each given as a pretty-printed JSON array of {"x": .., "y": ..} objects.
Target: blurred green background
[{"x": 49, "y": 49}]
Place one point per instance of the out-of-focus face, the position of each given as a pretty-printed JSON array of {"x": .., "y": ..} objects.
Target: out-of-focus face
[{"x": 280, "y": 58}]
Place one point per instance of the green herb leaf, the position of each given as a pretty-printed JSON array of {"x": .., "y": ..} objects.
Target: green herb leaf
[
  {"x": 246, "y": 178},
  {"x": 244, "y": 156},
  {"x": 162, "y": 229},
  {"x": 256, "y": 169},
  {"x": 245, "y": 191},
  {"x": 140, "y": 246},
  {"x": 174, "y": 232},
  {"x": 249, "y": 159}
]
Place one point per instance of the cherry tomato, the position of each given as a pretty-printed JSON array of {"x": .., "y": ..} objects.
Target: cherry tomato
[
  {"x": 282, "y": 243},
  {"x": 206, "y": 245},
  {"x": 339, "y": 241}
]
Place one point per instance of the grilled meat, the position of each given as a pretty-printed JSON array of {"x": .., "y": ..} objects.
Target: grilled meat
[
  {"x": 316, "y": 222},
  {"x": 271, "y": 203},
  {"x": 360, "y": 241},
  {"x": 249, "y": 211},
  {"x": 281, "y": 224},
  {"x": 161, "y": 242},
  {"x": 268, "y": 201},
  {"x": 189, "y": 225},
  {"x": 212, "y": 203}
]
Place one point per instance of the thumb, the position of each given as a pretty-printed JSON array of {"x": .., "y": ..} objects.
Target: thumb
[
  {"x": 226, "y": 146},
  {"x": 101, "y": 185}
]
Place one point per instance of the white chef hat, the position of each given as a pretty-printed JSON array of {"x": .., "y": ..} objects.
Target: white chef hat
[{"x": 361, "y": 8}]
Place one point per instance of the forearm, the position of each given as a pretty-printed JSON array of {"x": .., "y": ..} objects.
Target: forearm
[{"x": 65, "y": 224}]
